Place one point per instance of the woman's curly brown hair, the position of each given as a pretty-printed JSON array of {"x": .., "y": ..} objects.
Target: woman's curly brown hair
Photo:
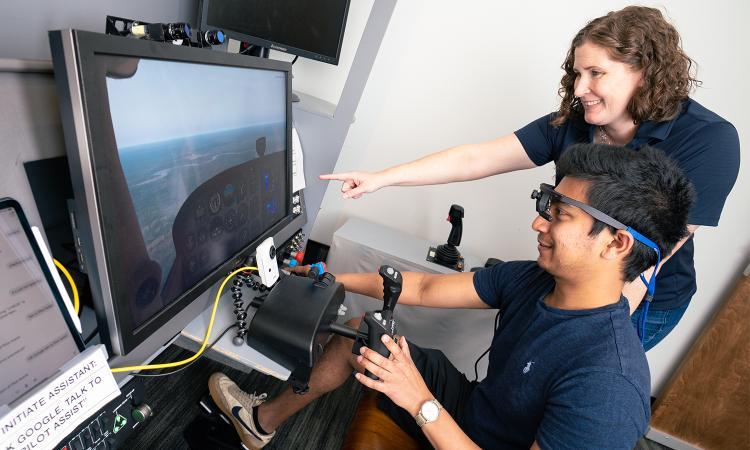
[{"x": 642, "y": 38}]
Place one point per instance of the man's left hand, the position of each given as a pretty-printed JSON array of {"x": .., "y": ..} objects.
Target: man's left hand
[{"x": 399, "y": 378}]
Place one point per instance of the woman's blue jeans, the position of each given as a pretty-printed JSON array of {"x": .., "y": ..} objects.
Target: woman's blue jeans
[{"x": 658, "y": 323}]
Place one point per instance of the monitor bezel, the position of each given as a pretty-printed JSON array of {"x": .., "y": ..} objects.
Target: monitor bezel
[
  {"x": 274, "y": 45},
  {"x": 75, "y": 63}
]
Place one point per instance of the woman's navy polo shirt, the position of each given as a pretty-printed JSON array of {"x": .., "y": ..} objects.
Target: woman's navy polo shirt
[{"x": 705, "y": 146}]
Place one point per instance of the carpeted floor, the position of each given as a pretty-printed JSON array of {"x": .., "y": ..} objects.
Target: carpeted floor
[
  {"x": 174, "y": 400},
  {"x": 321, "y": 426}
]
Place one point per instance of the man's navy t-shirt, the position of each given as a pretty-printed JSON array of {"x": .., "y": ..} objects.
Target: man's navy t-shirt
[
  {"x": 564, "y": 378},
  {"x": 705, "y": 146}
]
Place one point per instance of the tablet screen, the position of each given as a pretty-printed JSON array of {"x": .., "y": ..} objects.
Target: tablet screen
[{"x": 35, "y": 338}]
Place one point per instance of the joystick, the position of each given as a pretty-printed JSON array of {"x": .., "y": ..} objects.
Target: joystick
[
  {"x": 392, "y": 285},
  {"x": 377, "y": 323},
  {"x": 447, "y": 254}
]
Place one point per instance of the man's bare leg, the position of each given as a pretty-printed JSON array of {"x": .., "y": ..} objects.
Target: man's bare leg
[{"x": 331, "y": 371}]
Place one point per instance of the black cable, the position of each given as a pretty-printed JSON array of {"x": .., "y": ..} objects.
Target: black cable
[
  {"x": 226, "y": 330},
  {"x": 91, "y": 336},
  {"x": 253, "y": 302},
  {"x": 295, "y": 59},
  {"x": 476, "y": 363},
  {"x": 164, "y": 374}
]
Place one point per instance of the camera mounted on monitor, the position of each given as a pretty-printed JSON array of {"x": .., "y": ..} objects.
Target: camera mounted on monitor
[{"x": 179, "y": 33}]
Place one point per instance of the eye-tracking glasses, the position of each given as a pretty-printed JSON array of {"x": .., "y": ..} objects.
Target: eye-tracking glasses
[{"x": 546, "y": 195}]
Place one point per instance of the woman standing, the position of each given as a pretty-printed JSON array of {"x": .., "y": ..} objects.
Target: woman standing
[{"x": 626, "y": 82}]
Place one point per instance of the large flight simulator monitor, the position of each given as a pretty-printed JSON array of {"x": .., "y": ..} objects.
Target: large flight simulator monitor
[
  {"x": 180, "y": 160},
  {"x": 312, "y": 29}
]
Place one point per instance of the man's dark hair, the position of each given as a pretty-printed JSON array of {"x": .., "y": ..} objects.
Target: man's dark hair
[{"x": 644, "y": 189}]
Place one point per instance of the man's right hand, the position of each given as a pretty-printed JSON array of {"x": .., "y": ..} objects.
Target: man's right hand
[
  {"x": 299, "y": 270},
  {"x": 354, "y": 184}
]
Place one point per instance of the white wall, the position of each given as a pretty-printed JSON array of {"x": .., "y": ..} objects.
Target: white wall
[
  {"x": 326, "y": 81},
  {"x": 451, "y": 73}
]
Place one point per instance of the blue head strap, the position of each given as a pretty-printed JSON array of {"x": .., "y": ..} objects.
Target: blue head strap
[
  {"x": 651, "y": 283},
  {"x": 546, "y": 194}
]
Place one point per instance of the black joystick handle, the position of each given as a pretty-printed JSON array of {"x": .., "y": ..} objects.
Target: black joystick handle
[
  {"x": 455, "y": 217},
  {"x": 377, "y": 323},
  {"x": 392, "y": 283},
  {"x": 447, "y": 254}
]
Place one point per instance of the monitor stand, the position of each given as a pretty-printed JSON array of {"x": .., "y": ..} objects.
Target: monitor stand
[
  {"x": 240, "y": 357},
  {"x": 264, "y": 52},
  {"x": 257, "y": 50}
]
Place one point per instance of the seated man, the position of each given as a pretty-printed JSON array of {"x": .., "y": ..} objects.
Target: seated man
[{"x": 566, "y": 368}]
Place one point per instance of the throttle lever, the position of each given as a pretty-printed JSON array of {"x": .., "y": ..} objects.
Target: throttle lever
[{"x": 392, "y": 285}]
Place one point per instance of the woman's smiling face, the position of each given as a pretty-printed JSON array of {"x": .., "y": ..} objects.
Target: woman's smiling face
[{"x": 604, "y": 86}]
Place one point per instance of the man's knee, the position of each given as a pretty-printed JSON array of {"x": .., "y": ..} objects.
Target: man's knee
[
  {"x": 354, "y": 322},
  {"x": 343, "y": 346}
]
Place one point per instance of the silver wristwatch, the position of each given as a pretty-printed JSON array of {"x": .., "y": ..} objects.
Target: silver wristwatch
[{"x": 428, "y": 412}]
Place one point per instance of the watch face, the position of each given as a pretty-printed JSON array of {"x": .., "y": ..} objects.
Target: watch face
[{"x": 430, "y": 411}]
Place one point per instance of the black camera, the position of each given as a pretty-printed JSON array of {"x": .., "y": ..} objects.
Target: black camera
[{"x": 211, "y": 37}]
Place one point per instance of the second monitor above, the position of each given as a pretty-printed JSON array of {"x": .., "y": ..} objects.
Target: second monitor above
[{"x": 313, "y": 30}]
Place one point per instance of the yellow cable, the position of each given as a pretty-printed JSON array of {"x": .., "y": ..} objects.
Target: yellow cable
[
  {"x": 73, "y": 287},
  {"x": 205, "y": 339}
]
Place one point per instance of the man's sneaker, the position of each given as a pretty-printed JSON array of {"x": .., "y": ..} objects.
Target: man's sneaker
[{"x": 238, "y": 406}]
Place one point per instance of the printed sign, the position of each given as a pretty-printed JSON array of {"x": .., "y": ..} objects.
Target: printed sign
[{"x": 57, "y": 407}]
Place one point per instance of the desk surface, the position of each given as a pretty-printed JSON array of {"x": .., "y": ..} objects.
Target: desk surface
[{"x": 394, "y": 244}]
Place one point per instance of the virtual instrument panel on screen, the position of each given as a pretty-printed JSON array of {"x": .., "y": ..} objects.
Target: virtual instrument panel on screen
[{"x": 204, "y": 176}]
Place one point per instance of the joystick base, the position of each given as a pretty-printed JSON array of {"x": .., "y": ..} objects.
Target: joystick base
[{"x": 432, "y": 256}]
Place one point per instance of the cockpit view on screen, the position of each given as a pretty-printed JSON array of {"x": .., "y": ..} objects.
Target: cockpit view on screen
[{"x": 204, "y": 177}]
